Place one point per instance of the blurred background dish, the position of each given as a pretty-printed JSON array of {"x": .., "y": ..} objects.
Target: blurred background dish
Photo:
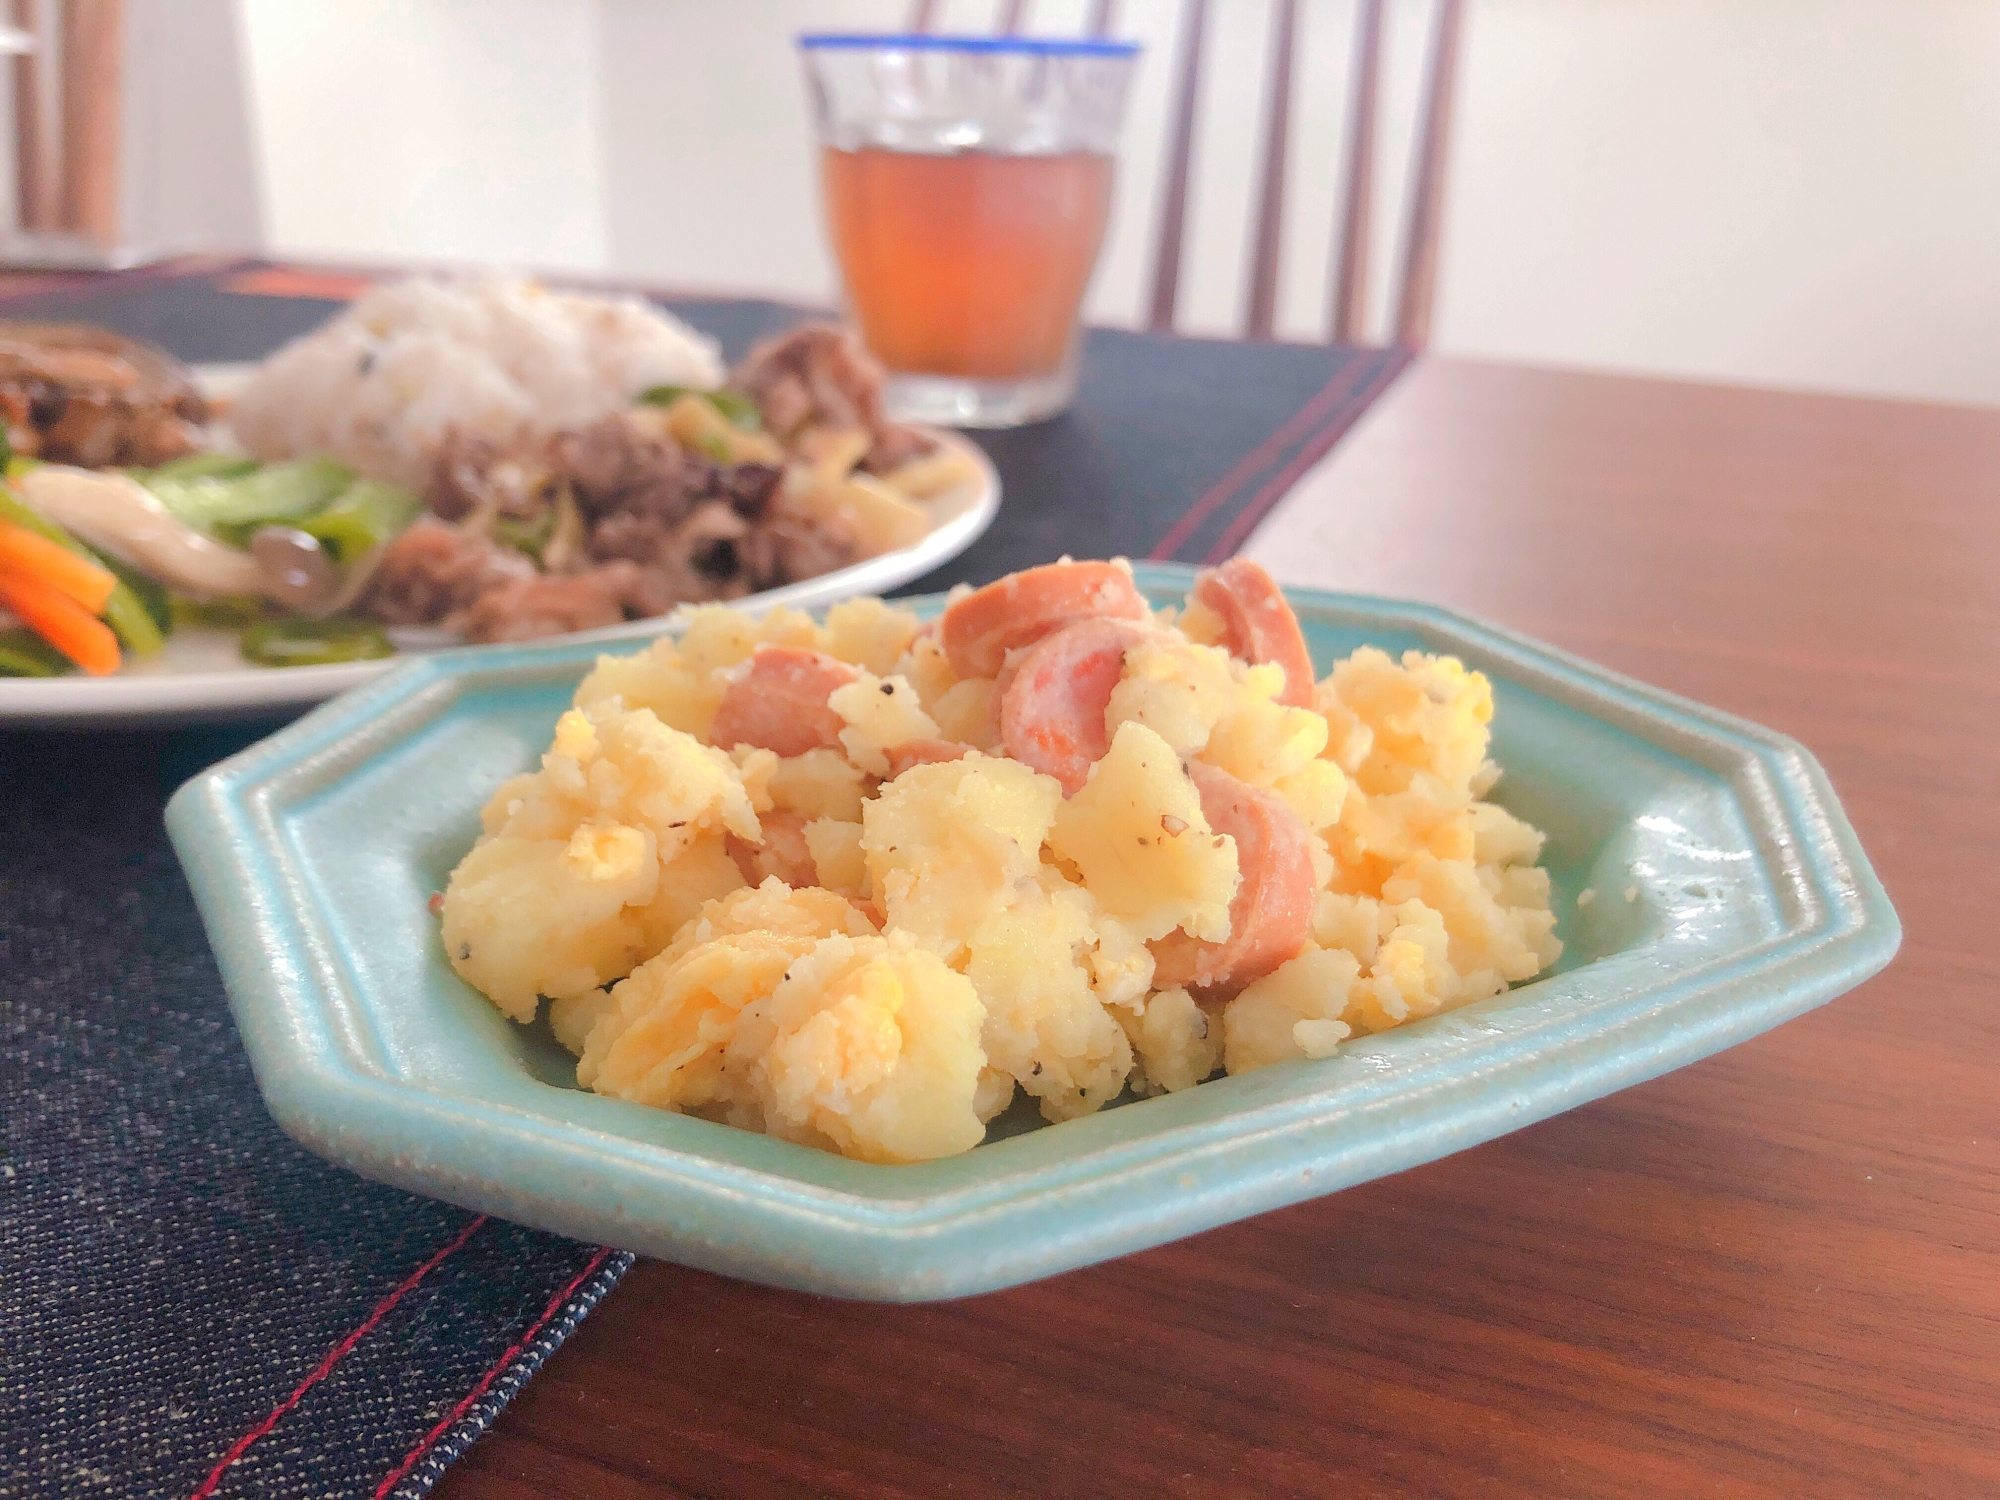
[
  {"x": 200, "y": 673},
  {"x": 443, "y": 462}
]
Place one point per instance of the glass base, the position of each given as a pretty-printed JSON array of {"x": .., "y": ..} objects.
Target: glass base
[{"x": 957, "y": 401}]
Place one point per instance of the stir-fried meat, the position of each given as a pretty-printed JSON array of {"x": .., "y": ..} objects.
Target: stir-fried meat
[
  {"x": 87, "y": 396},
  {"x": 785, "y": 548},
  {"x": 623, "y": 522},
  {"x": 711, "y": 540},
  {"x": 433, "y": 569},
  {"x": 618, "y": 464},
  {"x": 747, "y": 487},
  {"x": 819, "y": 376},
  {"x": 459, "y": 475},
  {"x": 550, "y": 604}
]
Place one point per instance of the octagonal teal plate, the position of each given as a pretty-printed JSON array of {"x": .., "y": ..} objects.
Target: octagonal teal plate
[{"x": 1731, "y": 895}]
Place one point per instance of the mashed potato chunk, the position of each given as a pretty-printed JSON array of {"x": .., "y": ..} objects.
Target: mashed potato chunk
[
  {"x": 1259, "y": 740},
  {"x": 1045, "y": 1025},
  {"x": 946, "y": 843},
  {"x": 872, "y": 1045},
  {"x": 587, "y": 860},
  {"x": 880, "y": 713},
  {"x": 1178, "y": 1043},
  {"x": 661, "y": 1037},
  {"x": 1297, "y": 1010},
  {"x": 1137, "y": 836},
  {"x": 1178, "y": 690},
  {"x": 870, "y": 634}
]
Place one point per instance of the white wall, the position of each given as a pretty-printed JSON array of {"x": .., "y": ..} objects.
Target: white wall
[
  {"x": 431, "y": 129},
  {"x": 190, "y": 171},
  {"x": 1792, "y": 192}
]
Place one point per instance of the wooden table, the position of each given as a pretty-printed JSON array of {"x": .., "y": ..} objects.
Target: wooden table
[{"x": 1773, "y": 1273}]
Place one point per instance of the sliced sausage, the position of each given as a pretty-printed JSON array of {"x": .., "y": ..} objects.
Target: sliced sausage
[
  {"x": 778, "y": 702},
  {"x": 1258, "y": 623},
  {"x": 1052, "y": 708},
  {"x": 979, "y": 630},
  {"x": 1271, "y": 916},
  {"x": 923, "y": 753},
  {"x": 784, "y": 852}
]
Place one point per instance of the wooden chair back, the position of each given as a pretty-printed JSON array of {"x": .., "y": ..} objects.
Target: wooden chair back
[
  {"x": 68, "y": 116},
  {"x": 1417, "y": 256}
]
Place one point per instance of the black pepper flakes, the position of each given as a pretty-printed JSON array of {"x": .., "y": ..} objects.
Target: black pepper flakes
[
  {"x": 888, "y": 690},
  {"x": 464, "y": 952}
]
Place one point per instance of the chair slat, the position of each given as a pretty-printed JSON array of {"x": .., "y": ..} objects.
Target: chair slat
[
  {"x": 93, "y": 65},
  {"x": 1013, "y": 17},
  {"x": 1173, "y": 202},
  {"x": 923, "y": 14},
  {"x": 1102, "y": 18},
  {"x": 1418, "y": 283},
  {"x": 35, "y": 185},
  {"x": 1350, "y": 266},
  {"x": 1263, "y": 303}
]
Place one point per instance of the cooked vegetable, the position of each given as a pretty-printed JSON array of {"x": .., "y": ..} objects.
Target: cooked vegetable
[
  {"x": 24, "y": 554},
  {"x": 62, "y": 622},
  {"x": 142, "y": 627},
  {"x": 232, "y": 506},
  {"x": 298, "y": 573},
  {"x": 201, "y": 466},
  {"x": 530, "y": 536},
  {"x": 25, "y": 654},
  {"x": 366, "y": 515},
  {"x": 232, "y": 613},
  {"x": 151, "y": 600},
  {"x": 734, "y": 405},
  {"x": 304, "y": 643},
  {"x": 118, "y": 515}
]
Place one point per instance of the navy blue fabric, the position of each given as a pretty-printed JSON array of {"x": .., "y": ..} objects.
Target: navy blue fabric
[{"x": 174, "y": 1272}]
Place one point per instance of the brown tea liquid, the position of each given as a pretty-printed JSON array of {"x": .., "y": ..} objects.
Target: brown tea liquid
[{"x": 972, "y": 264}]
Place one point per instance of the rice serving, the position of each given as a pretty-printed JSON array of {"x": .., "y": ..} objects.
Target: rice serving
[{"x": 380, "y": 386}]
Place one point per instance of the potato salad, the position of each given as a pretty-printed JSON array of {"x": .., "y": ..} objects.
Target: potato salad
[{"x": 860, "y": 882}]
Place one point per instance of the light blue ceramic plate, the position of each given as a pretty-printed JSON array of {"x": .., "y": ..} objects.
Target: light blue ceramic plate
[{"x": 313, "y": 854}]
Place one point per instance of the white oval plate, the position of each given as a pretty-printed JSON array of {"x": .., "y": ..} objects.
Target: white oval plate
[{"x": 200, "y": 676}]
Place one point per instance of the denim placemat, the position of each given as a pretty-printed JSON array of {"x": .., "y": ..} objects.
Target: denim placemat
[{"x": 190, "y": 1304}]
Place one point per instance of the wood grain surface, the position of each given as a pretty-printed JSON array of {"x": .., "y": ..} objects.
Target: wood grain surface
[{"x": 1774, "y": 1273}]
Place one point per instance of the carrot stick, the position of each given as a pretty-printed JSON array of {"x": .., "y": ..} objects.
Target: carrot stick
[
  {"x": 21, "y": 551},
  {"x": 62, "y": 622}
]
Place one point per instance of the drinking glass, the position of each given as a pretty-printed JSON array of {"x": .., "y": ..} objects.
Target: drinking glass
[{"x": 967, "y": 184}]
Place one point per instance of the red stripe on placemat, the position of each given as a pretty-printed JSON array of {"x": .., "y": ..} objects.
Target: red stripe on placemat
[
  {"x": 1301, "y": 421},
  {"x": 25, "y": 285},
  {"x": 430, "y": 1439},
  {"x": 333, "y": 1357},
  {"x": 298, "y": 281},
  {"x": 1264, "y": 500}
]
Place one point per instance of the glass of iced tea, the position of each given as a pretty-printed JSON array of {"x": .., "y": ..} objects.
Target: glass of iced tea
[{"x": 968, "y": 183}]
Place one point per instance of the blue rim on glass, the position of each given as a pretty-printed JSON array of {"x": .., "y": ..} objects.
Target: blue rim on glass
[{"x": 919, "y": 41}]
